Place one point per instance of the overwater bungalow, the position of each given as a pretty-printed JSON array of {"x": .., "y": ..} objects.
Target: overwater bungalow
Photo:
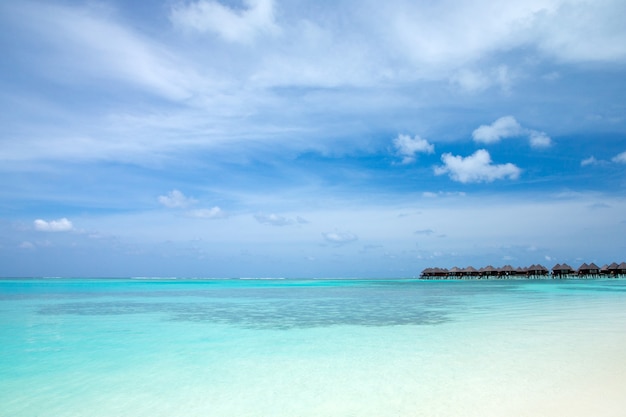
[
  {"x": 470, "y": 271},
  {"x": 586, "y": 270},
  {"x": 505, "y": 271},
  {"x": 562, "y": 271},
  {"x": 559, "y": 271},
  {"x": 441, "y": 272},
  {"x": 488, "y": 271},
  {"x": 455, "y": 271},
  {"x": 537, "y": 271},
  {"x": 612, "y": 269},
  {"x": 434, "y": 273}
]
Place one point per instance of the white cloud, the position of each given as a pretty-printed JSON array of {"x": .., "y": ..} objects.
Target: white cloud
[
  {"x": 579, "y": 31},
  {"x": 460, "y": 31},
  {"x": 60, "y": 225},
  {"x": 539, "y": 139},
  {"x": 504, "y": 127},
  {"x": 212, "y": 213},
  {"x": 273, "y": 219},
  {"x": 27, "y": 245},
  {"x": 407, "y": 148},
  {"x": 176, "y": 199},
  {"x": 278, "y": 220},
  {"x": 227, "y": 22},
  {"x": 430, "y": 194},
  {"x": 508, "y": 127},
  {"x": 620, "y": 158},
  {"x": 477, "y": 167},
  {"x": 382, "y": 48},
  {"x": 340, "y": 238},
  {"x": 473, "y": 81},
  {"x": 589, "y": 161}
]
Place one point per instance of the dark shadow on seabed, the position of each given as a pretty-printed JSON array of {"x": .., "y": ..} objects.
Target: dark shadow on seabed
[
  {"x": 273, "y": 305},
  {"x": 303, "y": 304}
]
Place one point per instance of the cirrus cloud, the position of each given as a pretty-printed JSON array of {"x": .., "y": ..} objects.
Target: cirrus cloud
[
  {"x": 477, "y": 167},
  {"x": 229, "y": 23}
]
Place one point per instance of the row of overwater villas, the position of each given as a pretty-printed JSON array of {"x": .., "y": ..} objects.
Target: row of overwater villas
[{"x": 534, "y": 271}]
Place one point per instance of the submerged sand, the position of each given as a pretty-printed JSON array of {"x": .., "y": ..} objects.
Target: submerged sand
[{"x": 485, "y": 350}]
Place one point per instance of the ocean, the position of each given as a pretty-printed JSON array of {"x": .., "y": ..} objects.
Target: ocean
[{"x": 299, "y": 348}]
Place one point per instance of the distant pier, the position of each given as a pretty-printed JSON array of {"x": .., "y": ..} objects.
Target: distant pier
[{"x": 558, "y": 271}]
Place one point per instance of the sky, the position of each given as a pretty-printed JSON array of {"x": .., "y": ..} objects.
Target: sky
[{"x": 301, "y": 138}]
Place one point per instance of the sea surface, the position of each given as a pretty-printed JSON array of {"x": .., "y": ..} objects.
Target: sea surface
[{"x": 298, "y": 348}]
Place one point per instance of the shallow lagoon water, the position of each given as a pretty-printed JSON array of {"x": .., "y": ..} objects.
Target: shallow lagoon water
[{"x": 312, "y": 348}]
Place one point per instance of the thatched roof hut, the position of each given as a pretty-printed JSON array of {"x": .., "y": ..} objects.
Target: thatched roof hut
[
  {"x": 434, "y": 272},
  {"x": 455, "y": 271},
  {"x": 428, "y": 272},
  {"x": 471, "y": 271},
  {"x": 562, "y": 270},
  {"x": 537, "y": 270},
  {"x": 488, "y": 271},
  {"x": 441, "y": 272},
  {"x": 591, "y": 269},
  {"x": 613, "y": 269},
  {"x": 506, "y": 270}
]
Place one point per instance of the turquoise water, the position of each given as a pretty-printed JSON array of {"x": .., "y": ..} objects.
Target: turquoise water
[{"x": 312, "y": 348}]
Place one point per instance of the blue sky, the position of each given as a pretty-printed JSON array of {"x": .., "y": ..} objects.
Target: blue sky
[{"x": 310, "y": 138}]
